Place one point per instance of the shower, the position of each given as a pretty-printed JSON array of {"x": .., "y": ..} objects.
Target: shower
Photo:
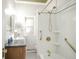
[{"x": 49, "y": 23}]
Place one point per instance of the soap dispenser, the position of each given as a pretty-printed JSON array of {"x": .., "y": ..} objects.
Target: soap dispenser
[{"x": 10, "y": 39}]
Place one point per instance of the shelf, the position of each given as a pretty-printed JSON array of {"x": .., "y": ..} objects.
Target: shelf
[
  {"x": 56, "y": 32},
  {"x": 56, "y": 44}
]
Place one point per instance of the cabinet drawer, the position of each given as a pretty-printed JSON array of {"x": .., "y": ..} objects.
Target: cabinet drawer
[{"x": 15, "y": 53}]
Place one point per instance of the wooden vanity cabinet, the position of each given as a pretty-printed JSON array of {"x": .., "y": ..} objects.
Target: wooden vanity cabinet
[{"x": 15, "y": 52}]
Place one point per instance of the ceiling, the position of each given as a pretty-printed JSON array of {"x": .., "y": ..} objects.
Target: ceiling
[{"x": 37, "y": 1}]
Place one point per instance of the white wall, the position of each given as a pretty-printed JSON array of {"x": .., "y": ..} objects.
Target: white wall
[
  {"x": 64, "y": 22},
  {"x": 24, "y": 10},
  {"x": 43, "y": 45},
  {"x": 5, "y": 4},
  {"x": 66, "y": 25},
  {"x": 29, "y": 10},
  {"x": 3, "y": 24}
]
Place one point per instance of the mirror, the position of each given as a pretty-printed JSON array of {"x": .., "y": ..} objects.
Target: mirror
[
  {"x": 10, "y": 23},
  {"x": 23, "y": 26}
]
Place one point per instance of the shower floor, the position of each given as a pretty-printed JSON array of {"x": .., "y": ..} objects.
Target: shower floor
[
  {"x": 35, "y": 56},
  {"x": 32, "y": 56}
]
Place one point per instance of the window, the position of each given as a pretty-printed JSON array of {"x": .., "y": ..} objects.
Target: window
[
  {"x": 29, "y": 25},
  {"x": 24, "y": 26}
]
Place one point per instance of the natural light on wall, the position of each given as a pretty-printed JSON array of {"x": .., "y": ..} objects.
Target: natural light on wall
[
  {"x": 29, "y": 25},
  {"x": 26, "y": 22},
  {"x": 10, "y": 10},
  {"x": 29, "y": 22},
  {"x": 21, "y": 21}
]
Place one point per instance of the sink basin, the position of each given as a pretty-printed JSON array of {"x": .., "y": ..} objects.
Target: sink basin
[{"x": 17, "y": 42}]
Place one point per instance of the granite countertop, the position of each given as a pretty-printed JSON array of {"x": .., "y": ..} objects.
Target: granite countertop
[
  {"x": 9, "y": 46},
  {"x": 16, "y": 43}
]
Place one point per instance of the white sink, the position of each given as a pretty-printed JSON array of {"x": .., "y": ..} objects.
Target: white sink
[{"x": 19, "y": 42}]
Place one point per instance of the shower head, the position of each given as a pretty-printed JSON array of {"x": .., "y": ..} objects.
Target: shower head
[
  {"x": 38, "y": 13},
  {"x": 54, "y": 7}
]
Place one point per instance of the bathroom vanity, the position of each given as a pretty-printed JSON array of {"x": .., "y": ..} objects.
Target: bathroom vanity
[{"x": 15, "y": 52}]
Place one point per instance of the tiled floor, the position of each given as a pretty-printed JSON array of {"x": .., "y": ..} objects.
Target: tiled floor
[
  {"x": 32, "y": 56},
  {"x": 35, "y": 56}
]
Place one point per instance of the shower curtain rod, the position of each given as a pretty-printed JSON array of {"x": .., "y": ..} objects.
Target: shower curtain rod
[
  {"x": 58, "y": 11},
  {"x": 65, "y": 8},
  {"x": 47, "y": 5}
]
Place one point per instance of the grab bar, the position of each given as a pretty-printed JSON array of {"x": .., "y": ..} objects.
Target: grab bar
[
  {"x": 40, "y": 35},
  {"x": 70, "y": 45},
  {"x": 32, "y": 50}
]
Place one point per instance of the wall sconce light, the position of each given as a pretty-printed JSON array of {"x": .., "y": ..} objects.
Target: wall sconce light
[{"x": 10, "y": 10}]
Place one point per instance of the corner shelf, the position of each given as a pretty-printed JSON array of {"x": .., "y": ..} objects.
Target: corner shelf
[
  {"x": 56, "y": 44},
  {"x": 56, "y": 32}
]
